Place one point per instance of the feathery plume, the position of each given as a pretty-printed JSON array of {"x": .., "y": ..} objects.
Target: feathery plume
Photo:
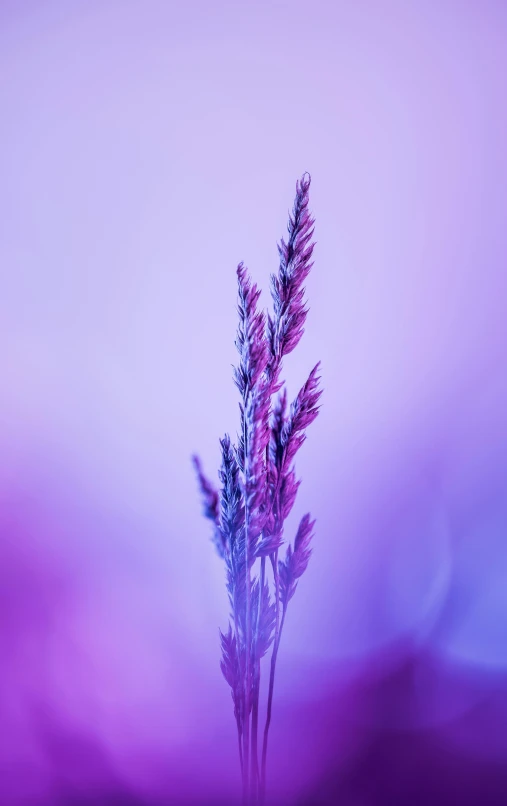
[
  {"x": 232, "y": 530},
  {"x": 254, "y": 405},
  {"x": 286, "y": 326},
  {"x": 259, "y": 486},
  {"x": 211, "y": 505},
  {"x": 303, "y": 412},
  {"x": 284, "y": 331},
  {"x": 296, "y": 561}
]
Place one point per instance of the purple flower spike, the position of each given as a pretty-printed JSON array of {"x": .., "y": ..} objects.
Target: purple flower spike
[
  {"x": 259, "y": 487},
  {"x": 285, "y": 327},
  {"x": 296, "y": 562},
  {"x": 303, "y": 412}
]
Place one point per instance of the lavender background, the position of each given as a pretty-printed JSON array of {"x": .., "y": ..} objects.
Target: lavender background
[{"x": 147, "y": 147}]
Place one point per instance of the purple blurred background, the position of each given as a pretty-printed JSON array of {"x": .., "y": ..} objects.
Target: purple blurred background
[{"x": 147, "y": 148}]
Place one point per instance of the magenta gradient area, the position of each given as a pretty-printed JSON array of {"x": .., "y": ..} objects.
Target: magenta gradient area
[{"x": 147, "y": 148}]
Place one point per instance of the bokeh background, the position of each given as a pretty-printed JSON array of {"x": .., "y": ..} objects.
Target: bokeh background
[{"x": 147, "y": 148}]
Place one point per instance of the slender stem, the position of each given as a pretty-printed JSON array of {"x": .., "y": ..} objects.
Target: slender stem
[
  {"x": 255, "y": 779},
  {"x": 268, "y": 718},
  {"x": 278, "y": 631},
  {"x": 268, "y": 721},
  {"x": 240, "y": 708},
  {"x": 246, "y": 722},
  {"x": 240, "y": 747}
]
